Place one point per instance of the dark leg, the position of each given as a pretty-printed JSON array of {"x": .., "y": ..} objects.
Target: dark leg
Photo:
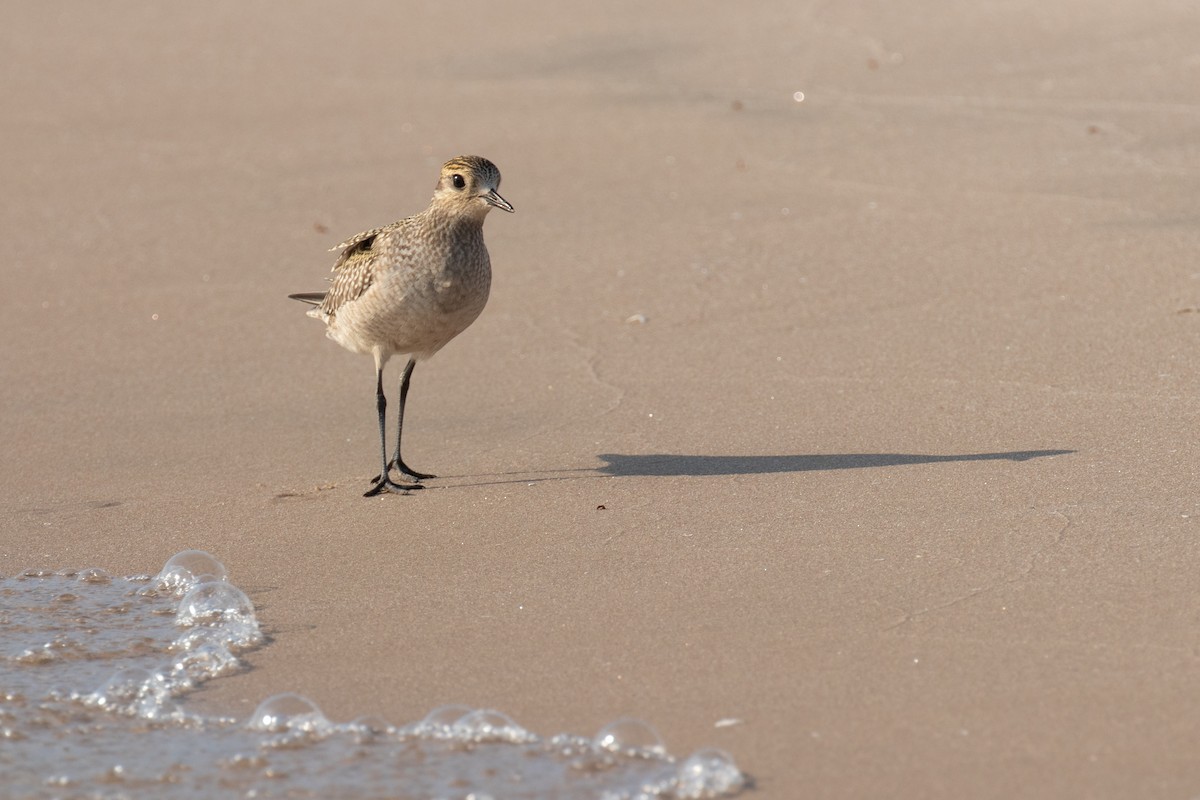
[
  {"x": 384, "y": 482},
  {"x": 396, "y": 459}
]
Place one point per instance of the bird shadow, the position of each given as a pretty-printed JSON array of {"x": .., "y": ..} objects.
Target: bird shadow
[{"x": 662, "y": 464}]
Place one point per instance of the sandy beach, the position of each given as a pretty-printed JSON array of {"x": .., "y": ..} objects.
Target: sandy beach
[{"x": 839, "y": 381}]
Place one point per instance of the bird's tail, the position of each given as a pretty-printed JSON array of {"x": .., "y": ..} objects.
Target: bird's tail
[{"x": 312, "y": 298}]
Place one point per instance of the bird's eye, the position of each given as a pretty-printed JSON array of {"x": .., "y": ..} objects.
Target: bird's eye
[{"x": 458, "y": 181}]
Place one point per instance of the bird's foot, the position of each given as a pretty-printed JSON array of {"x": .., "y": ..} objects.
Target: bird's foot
[
  {"x": 386, "y": 484},
  {"x": 409, "y": 472},
  {"x": 406, "y": 471}
]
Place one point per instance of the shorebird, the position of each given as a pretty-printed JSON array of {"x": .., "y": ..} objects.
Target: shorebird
[{"x": 412, "y": 286}]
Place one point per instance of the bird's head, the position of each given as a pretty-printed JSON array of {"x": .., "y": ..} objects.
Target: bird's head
[{"x": 468, "y": 185}]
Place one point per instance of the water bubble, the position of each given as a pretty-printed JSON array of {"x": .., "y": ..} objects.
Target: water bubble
[
  {"x": 197, "y": 638},
  {"x": 568, "y": 745},
  {"x": 184, "y": 570},
  {"x": 629, "y": 736},
  {"x": 203, "y": 658},
  {"x": 133, "y": 690},
  {"x": 197, "y": 563},
  {"x": 439, "y": 723},
  {"x": 486, "y": 725},
  {"x": 709, "y": 773},
  {"x": 94, "y": 575},
  {"x": 287, "y": 712},
  {"x": 798, "y": 97},
  {"x": 127, "y": 684},
  {"x": 214, "y": 602}
]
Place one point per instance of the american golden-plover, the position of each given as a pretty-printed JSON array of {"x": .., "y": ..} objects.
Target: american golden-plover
[{"x": 412, "y": 286}]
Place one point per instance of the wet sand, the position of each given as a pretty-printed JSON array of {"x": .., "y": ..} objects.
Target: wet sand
[{"x": 898, "y": 472}]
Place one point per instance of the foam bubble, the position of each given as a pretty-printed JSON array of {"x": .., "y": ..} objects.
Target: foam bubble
[
  {"x": 133, "y": 691},
  {"x": 184, "y": 570},
  {"x": 486, "y": 725},
  {"x": 221, "y": 607},
  {"x": 288, "y": 713},
  {"x": 202, "y": 658},
  {"x": 709, "y": 773},
  {"x": 94, "y": 575},
  {"x": 214, "y": 602},
  {"x": 123, "y": 687},
  {"x": 439, "y": 723},
  {"x": 630, "y": 736}
]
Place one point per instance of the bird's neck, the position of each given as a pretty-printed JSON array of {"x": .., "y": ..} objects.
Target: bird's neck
[{"x": 461, "y": 219}]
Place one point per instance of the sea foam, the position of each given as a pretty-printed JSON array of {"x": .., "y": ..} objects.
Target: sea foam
[{"x": 94, "y": 676}]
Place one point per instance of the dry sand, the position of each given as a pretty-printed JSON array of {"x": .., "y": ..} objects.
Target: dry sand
[{"x": 900, "y": 471}]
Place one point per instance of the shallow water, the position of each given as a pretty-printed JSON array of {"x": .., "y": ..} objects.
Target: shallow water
[{"x": 95, "y": 672}]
